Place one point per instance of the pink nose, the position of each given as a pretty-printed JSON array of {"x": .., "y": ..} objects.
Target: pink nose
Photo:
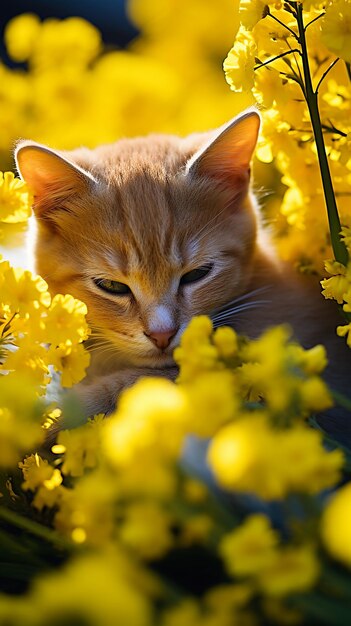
[{"x": 162, "y": 339}]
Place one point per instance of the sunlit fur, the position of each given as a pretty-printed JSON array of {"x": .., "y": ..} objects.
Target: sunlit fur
[{"x": 150, "y": 210}]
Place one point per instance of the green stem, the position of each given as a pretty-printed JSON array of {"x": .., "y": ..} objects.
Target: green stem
[
  {"x": 34, "y": 528},
  {"x": 339, "y": 248}
]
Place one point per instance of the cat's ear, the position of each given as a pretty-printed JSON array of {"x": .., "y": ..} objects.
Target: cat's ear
[
  {"x": 51, "y": 177},
  {"x": 227, "y": 156}
]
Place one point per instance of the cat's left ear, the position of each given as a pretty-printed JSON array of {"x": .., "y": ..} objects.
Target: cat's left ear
[
  {"x": 50, "y": 175},
  {"x": 227, "y": 156}
]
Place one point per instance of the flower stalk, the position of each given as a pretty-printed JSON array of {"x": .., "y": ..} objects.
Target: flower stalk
[{"x": 311, "y": 96}]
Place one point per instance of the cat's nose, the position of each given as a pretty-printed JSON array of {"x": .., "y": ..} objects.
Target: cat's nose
[{"x": 162, "y": 339}]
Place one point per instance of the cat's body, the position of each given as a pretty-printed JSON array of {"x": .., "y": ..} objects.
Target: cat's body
[{"x": 152, "y": 231}]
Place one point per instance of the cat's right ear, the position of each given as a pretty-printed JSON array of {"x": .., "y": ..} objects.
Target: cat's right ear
[
  {"x": 227, "y": 156},
  {"x": 51, "y": 177}
]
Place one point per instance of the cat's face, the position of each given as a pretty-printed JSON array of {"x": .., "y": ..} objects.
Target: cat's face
[{"x": 146, "y": 233}]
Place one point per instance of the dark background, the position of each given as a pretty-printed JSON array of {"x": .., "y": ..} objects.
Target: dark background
[{"x": 109, "y": 16}]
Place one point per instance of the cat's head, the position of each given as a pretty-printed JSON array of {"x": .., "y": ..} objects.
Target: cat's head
[{"x": 148, "y": 232}]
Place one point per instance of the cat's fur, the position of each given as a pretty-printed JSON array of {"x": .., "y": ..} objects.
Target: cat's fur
[{"x": 146, "y": 211}]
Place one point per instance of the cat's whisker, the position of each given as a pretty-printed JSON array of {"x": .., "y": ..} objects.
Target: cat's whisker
[
  {"x": 241, "y": 298},
  {"x": 238, "y": 309}
]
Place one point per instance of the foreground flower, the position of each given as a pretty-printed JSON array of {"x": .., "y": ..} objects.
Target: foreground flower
[
  {"x": 294, "y": 569},
  {"x": 251, "y": 456},
  {"x": 336, "y": 525},
  {"x": 250, "y": 548},
  {"x": 15, "y": 199}
]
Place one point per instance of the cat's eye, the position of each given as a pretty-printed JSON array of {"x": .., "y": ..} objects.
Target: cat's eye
[
  {"x": 112, "y": 286},
  {"x": 194, "y": 275}
]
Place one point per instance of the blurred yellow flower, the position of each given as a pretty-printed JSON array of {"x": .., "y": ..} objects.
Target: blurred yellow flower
[
  {"x": 293, "y": 569},
  {"x": 250, "y": 548},
  {"x": 20, "y": 413},
  {"x": 251, "y": 456},
  {"x": 113, "y": 595},
  {"x": 146, "y": 529},
  {"x": 80, "y": 448},
  {"x": 21, "y": 35},
  {"x": 336, "y": 525},
  {"x": 336, "y": 28},
  {"x": 151, "y": 418},
  {"x": 72, "y": 41}
]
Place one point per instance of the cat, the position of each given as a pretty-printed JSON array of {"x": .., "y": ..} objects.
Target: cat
[{"x": 151, "y": 231}]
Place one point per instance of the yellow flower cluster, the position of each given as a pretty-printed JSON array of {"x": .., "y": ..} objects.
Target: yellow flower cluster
[
  {"x": 253, "y": 551},
  {"x": 266, "y": 59},
  {"x": 261, "y": 445},
  {"x": 34, "y": 337}
]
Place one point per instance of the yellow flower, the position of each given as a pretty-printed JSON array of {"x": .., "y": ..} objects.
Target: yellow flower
[
  {"x": 346, "y": 236},
  {"x": 21, "y": 35},
  {"x": 251, "y": 456},
  {"x": 86, "y": 512},
  {"x": 229, "y": 595},
  {"x": 42, "y": 478},
  {"x": 339, "y": 284},
  {"x": 65, "y": 319},
  {"x": 72, "y": 41},
  {"x": 102, "y": 588},
  {"x": 336, "y": 28},
  {"x": 292, "y": 570},
  {"x": 240, "y": 62},
  {"x": 20, "y": 416},
  {"x": 345, "y": 331},
  {"x": 336, "y": 525},
  {"x": 312, "y": 361},
  {"x": 212, "y": 401},
  {"x": 244, "y": 457},
  {"x": 24, "y": 292},
  {"x": 226, "y": 341},
  {"x": 146, "y": 529},
  {"x": 315, "y": 395},
  {"x": 37, "y": 471},
  {"x": 15, "y": 199},
  {"x": 251, "y": 12},
  {"x": 80, "y": 447},
  {"x": 196, "y": 353},
  {"x": 347, "y": 298},
  {"x": 305, "y": 465},
  {"x": 250, "y": 548},
  {"x": 30, "y": 358},
  {"x": 151, "y": 419},
  {"x": 71, "y": 360}
]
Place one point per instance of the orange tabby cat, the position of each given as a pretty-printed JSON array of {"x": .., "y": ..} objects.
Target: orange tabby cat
[{"x": 152, "y": 231}]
